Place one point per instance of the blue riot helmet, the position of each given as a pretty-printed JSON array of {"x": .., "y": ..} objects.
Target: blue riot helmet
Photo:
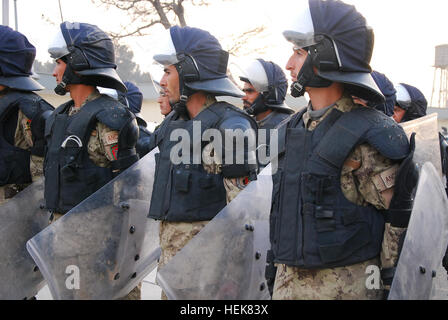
[
  {"x": 411, "y": 100},
  {"x": 133, "y": 99},
  {"x": 339, "y": 45},
  {"x": 200, "y": 61},
  {"x": 270, "y": 80},
  {"x": 388, "y": 90},
  {"x": 89, "y": 54},
  {"x": 16, "y": 60}
]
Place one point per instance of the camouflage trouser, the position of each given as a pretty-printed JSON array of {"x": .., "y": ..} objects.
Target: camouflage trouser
[
  {"x": 390, "y": 250},
  {"x": 135, "y": 294},
  {"x": 173, "y": 237},
  {"x": 2, "y": 195},
  {"x": 344, "y": 283}
]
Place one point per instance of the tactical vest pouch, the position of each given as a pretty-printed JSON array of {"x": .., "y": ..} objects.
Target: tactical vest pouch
[
  {"x": 81, "y": 182},
  {"x": 199, "y": 196},
  {"x": 340, "y": 231},
  {"x": 68, "y": 173},
  {"x": 332, "y": 251},
  {"x": 182, "y": 180}
]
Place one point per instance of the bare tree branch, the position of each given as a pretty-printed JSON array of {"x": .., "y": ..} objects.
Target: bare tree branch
[
  {"x": 240, "y": 41},
  {"x": 145, "y": 14}
]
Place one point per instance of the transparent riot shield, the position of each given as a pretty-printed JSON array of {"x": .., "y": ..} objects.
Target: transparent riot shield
[
  {"x": 106, "y": 245},
  {"x": 425, "y": 242},
  {"x": 227, "y": 259},
  {"x": 427, "y": 145},
  {"x": 21, "y": 218}
]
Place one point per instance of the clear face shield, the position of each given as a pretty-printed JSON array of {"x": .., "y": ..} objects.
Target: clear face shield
[
  {"x": 256, "y": 75},
  {"x": 299, "y": 28},
  {"x": 165, "y": 53},
  {"x": 403, "y": 97},
  {"x": 58, "y": 47}
]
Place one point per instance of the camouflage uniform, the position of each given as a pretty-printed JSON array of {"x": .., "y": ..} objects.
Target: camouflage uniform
[
  {"x": 175, "y": 235},
  {"x": 367, "y": 177},
  {"x": 103, "y": 143},
  {"x": 22, "y": 139},
  {"x": 102, "y": 149}
]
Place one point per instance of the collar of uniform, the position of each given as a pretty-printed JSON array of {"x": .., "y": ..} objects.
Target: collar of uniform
[
  {"x": 94, "y": 95},
  {"x": 344, "y": 104},
  {"x": 210, "y": 100}
]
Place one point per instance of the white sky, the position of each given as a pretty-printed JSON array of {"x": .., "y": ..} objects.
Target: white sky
[{"x": 406, "y": 31}]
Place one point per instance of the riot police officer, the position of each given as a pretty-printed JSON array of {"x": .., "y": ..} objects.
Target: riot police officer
[
  {"x": 411, "y": 103},
  {"x": 134, "y": 100},
  {"x": 335, "y": 177},
  {"x": 265, "y": 86},
  {"x": 188, "y": 194},
  {"x": 92, "y": 137},
  {"x": 22, "y": 115},
  {"x": 387, "y": 89}
]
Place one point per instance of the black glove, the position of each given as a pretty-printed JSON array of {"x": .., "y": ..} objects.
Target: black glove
[
  {"x": 405, "y": 184},
  {"x": 270, "y": 272},
  {"x": 38, "y": 132}
]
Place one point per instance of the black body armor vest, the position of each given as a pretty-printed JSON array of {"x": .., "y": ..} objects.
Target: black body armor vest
[
  {"x": 70, "y": 174},
  {"x": 313, "y": 225},
  {"x": 186, "y": 192},
  {"x": 268, "y": 124},
  {"x": 14, "y": 161}
]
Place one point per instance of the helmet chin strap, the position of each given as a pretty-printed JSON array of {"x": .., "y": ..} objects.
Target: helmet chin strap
[
  {"x": 180, "y": 107},
  {"x": 307, "y": 78},
  {"x": 69, "y": 77},
  {"x": 257, "y": 107}
]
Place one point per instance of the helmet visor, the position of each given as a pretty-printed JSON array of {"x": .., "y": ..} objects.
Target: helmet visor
[
  {"x": 256, "y": 75},
  {"x": 165, "y": 53},
  {"x": 58, "y": 46}
]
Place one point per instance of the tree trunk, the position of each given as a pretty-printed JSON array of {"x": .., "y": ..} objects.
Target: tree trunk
[
  {"x": 163, "y": 18},
  {"x": 178, "y": 9}
]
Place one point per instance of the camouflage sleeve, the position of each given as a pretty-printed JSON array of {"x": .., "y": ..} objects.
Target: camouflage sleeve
[
  {"x": 390, "y": 246},
  {"x": 212, "y": 164},
  {"x": 23, "y": 139},
  {"x": 103, "y": 145},
  {"x": 368, "y": 177}
]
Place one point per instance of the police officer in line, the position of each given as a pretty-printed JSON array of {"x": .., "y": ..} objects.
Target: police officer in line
[
  {"x": 387, "y": 89},
  {"x": 92, "y": 137},
  {"x": 164, "y": 104},
  {"x": 133, "y": 98},
  {"x": 335, "y": 178},
  {"x": 411, "y": 103},
  {"x": 22, "y": 115},
  {"x": 265, "y": 86},
  {"x": 163, "y": 101},
  {"x": 187, "y": 196}
]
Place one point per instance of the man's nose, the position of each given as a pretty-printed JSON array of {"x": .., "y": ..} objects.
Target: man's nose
[
  {"x": 163, "y": 82},
  {"x": 289, "y": 64}
]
